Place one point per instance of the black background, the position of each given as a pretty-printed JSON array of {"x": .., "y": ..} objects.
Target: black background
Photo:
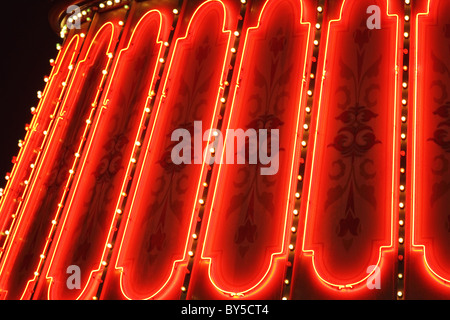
[{"x": 28, "y": 43}]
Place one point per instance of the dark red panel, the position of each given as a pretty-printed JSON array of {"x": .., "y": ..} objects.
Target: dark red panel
[
  {"x": 91, "y": 207},
  {"x": 162, "y": 209},
  {"x": 247, "y": 227},
  {"x": 353, "y": 158},
  {"x": 430, "y": 158}
]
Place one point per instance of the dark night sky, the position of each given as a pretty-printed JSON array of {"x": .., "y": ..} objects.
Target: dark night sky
[{"x": 28, "y": 43}]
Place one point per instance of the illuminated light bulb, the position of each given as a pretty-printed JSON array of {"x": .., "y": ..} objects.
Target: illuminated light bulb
[
  {"x": 211, "y": 150},
  {"x": 36, "y": 273},
  {"x": 293, "y": 229},
  {"x": 88, "y": 121},
  {"x": 42, "y": 256},
  {"x": 82, "y": 35},
  {"x": 183, "y": 289},
  {"x": 104, "y": 263},
  {"x": 75, "y": 18},
  {"x": 406, "y": 34},
  {"x": 243, "y": 1},
  {"x": 308, "y": 109},
  {"x": 405, "y": 68},
  {"x": 109, "y": 3},
  {"x": 233, "y": 50},
  {"x": 101, "y": 5},
  {"x": 175, "y": 11},
  {"x": 291, "y": 247},
  {"x": 403, "y": 136},
  {"x": 58, "y": 46},
  {"x": 286, "y": 282},
  {"x": 71, "y": 171},
  {"x": 133, "y": 160},
  {"x": 119, "y": 211},
  {"x": 109, "y": 245},
  {"x": 161, "y": 60},
  {"x": 121, "y": 23},
  {"x": 54, "y": 222},
  {"x": 295, "y": 212},
  {"x": 26, "y": 182},
  {"x": 64, "y": 84},
  {"x": 312, "y": 76},
  {"x": 124, "y": 194},
  {"x": 7, "y": 232},
  {"x": 284, "y": 298},
  {"x": 400, "y": 240},
  {"x": 319, "y": 9},
  {"x": 46, "y": 79},
  {"x": 305, "y": 126},
  {"x": 236, "y": 33},
  {"x": 309, "y": 93},
  {"x": 45, "y": 133},
  {"x": 406, "y": 18},
  {"x": 88, "y": 19},
  {"x": 401, "y": 223},
  {"x": 297, "y": 195},
  {"x": 400, "y": 294},
  {"x": 404, "y": 102},
  {"x": 400, "y": 276},
  {"x": 77, "y": 155},
  {"x": 201, "y": 201},
  {"x": 110, "y": 55},
  {"x": 222, "y": 100},
  {"x": 6, "y": 177},
  {"x": 403, "y": 119},
  {"x": 317, "y": 26},
  {"x": 52, "y": 61},
  {"x": 20, "y": 144},
  {"x": 138, "y": 143},
  {"x": 194, "y": 236},
  {"x": 105, "y": 72},
  {"x": 402, "y": 170},
  {"x": 404, "y": 85},
  {"x": 94, "y": 298},
  {"x": 299, "y": 177},
  {"x": 13, "y": 216},
  {"x": 401, "y": 205},
  {"x": 70, "y": 20},
  {"x": 116, "y": 1},
  {"x": 316, "y": 42},
  {"x": 166, "y": 44},
  {"x": 126, "y": 7},
  {"x": 407, "y": 1},
  {"x": 190, "y": 253},
  {"x": 402, "y": 188},
  {"x": 303, "y": 143},
  {"x": 215, "y": 133},
  {"x": 84, "y": 12},
  {"x": 147, "y": 110},
  {"x": 39, "y": 94},
  {"x": 71, "y": 67}
]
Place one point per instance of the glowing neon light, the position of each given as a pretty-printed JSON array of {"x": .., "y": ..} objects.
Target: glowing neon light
[
  {"x": 280, "y": 252},
  {"x": 179, "y": 42},
  {"x": 395, "y": 101}
]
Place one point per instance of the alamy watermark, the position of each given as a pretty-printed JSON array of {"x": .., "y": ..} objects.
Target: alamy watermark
[{"x": 251, "y": 146}]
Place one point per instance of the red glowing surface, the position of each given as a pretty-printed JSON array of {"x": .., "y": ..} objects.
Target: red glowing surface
[
  {"x": 351, "y": 204},
  {"x": 248, "y": 220},
  {"x": 164, "y": 201},
  {"x": 69, "y": 131},
  {"x": 28, "y": 235}
]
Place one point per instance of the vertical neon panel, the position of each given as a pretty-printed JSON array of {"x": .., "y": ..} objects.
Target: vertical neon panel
[
  {"x": 163, "y": 207},
  {"x": 248, "y": 221},
  {"x": 92, "y": 206},
  {"x": 351, "y": 206},
  {"x": 21, "y": 255},
  {"x": 50, "y": 183},
  {"x": 430, "y": 176}
]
